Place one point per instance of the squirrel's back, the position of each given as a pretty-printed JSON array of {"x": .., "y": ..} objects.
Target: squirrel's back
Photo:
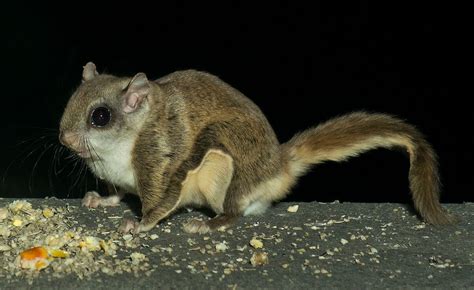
[{"x": 207, "y": 104}]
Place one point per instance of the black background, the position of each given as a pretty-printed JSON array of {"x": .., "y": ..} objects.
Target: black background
[{"x": 302, "y": 64}]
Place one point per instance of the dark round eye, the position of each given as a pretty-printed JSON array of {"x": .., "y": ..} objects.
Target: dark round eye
[{"x": 100, "y": 116}]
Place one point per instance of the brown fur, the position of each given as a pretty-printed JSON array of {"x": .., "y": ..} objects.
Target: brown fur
[
  {"x": 350, "y": 135},
  {"x": 199, "y": 141}
]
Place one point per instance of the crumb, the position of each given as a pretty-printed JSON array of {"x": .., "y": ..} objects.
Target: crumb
[
  {"x": 293, "y": 208},
  {"x": 259, "y": 258},
  {"x": 221, "y": 247},
  {"x": 256, "y": 243},
  {"x": 137, "y": 258}
]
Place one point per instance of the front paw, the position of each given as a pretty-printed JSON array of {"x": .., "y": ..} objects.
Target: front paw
[
  {"x": 91, "y": 199},
  {"x": 129, "y": 226},
  {"x": 196, "y": 226}
]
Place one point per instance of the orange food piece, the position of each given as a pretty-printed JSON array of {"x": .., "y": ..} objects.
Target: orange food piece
[
  {"x": 34, "y": 253},
  {"x": 34, "y": 258}
]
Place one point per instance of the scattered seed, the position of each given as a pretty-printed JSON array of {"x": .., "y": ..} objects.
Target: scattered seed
[
  {"x": 47, "y": 213},
  {"x": 259, "y": 259},
  {"x": 221, "y": 247},
  {"x": 293, "y": 208},
  {"x": 3, "y": 213},
  {"x": 256, "y": 243},
  {"x": 137, "y": 258}
]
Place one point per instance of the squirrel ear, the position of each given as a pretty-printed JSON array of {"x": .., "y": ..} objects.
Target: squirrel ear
[
  {"x": 137, "y": 90},
  {"x": 89, "y": 72}
]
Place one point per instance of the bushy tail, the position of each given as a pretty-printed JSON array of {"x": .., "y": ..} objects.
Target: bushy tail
[{"x": 355, "y": 133}]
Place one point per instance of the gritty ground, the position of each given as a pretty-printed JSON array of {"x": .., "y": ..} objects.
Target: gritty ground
[{"x": 337, "y": 245}]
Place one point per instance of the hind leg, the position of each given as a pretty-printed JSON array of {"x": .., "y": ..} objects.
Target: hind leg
[{"x": 211, "y": 179}]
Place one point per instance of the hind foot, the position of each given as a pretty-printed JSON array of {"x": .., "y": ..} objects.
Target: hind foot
[{"x": 220, "y": 222}]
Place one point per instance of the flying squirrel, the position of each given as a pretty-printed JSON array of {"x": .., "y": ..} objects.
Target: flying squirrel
[{"x": 190, "y": 139}]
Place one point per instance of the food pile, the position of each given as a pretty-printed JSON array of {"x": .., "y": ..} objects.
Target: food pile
[
  {"x": 46, "y": 239},
  {"x": 49, "y": 239}
]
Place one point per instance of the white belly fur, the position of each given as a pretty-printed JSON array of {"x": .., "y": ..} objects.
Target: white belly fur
[
  {"x": 116, "y": 167},
  {"x": 265, "y": 193}
]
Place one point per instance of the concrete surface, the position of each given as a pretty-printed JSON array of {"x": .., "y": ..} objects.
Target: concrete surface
[{"x": 337, "y": 245}]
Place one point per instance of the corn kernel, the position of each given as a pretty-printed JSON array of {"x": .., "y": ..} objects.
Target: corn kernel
[
  {"x": 58, "y": 253},
  {"x": 41, "y": 264},
  {"x": 47, "y": 213},
  {"x": 90, "y": 243},
  {"x": 256, "y": 243},
  {"x": 17, "y": 222}
]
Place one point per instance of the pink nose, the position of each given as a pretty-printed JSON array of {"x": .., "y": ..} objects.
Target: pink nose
[{"x": 69, "y": 139}]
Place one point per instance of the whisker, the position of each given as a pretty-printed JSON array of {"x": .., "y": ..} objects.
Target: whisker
[
  {"x": 51, "y": 167},
  {"x": 30, "y": 153},
  {"x": 38, "y": 128},
  {"x": 56, "y": 157},
  {"x": 76, "y": 161},
  {"x": 83, "y": 170},
  {"x": 98, "y": 158},
  {"x": 71, "y": 156},
  {"x": 34, "y": 139},
  {"x": 35, "y": 145},
  {"x": 85, "y": 183},
  {"x": 88, "y": 148},
  {"x": 95, "y": 156},
  {"x": 60, "y": 170},
  {"x": 30, "y": 183},
  {"x": 78, "y": 179}
]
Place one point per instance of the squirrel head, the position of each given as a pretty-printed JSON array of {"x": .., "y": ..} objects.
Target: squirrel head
[{"x": 103, "y": 110}]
